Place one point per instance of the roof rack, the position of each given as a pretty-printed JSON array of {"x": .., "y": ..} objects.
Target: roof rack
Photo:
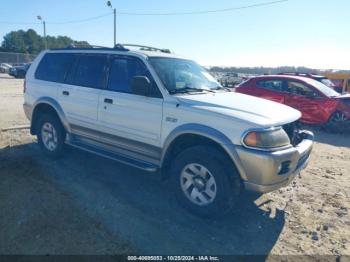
[
  {"x": 84, "y": 46},
  {"x": 148, "y": 48},
  {"x": 297, "y": 74},
  {"x": 314, "y": 76},
  {"x": 117, "y": 47}
]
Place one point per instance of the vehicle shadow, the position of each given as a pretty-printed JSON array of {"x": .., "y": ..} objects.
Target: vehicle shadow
[
  {"x": 141, "y": 209},
  {"x": 334, "y": 139}
]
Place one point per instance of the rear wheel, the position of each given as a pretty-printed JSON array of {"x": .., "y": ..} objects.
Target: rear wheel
[
  {"x": 204, "y": 182},
  {"x": 338, "y": 123},
  {"x": 51, "y": 135}
]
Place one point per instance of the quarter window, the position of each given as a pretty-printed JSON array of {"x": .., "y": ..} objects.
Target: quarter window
[
  {"x": 53, "y": 67},
  {"x": 274, "y": 85}
]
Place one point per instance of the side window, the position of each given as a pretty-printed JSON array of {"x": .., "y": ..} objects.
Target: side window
[
  {"x": 273, "y": 85},
  {"x": 53, "y": 67},
  {"x": 89, "y": 71},
  {"x": 300, "y": 89},
  {"x": 122, "y": 71}
]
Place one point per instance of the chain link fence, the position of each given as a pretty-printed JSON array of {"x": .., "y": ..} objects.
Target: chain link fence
[{"x": 15, "y": 58}]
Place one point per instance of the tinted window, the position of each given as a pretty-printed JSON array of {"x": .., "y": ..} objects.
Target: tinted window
[
  {"x": 122, "y": 72},
  {"x": 274, "y": 85},
  {"x": 89, "y": 71},
  {"x": 53, "y": 67}
]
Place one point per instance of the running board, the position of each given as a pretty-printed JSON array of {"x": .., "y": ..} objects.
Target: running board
[{"x": 116, "y": 157}]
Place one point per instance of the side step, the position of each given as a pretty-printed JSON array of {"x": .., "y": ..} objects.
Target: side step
[{"x": 113, "y": 156}]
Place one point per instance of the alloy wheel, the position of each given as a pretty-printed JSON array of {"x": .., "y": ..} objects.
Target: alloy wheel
[
  {"x": 198, "y": 184},
  {"x": 49, "y": 136}
]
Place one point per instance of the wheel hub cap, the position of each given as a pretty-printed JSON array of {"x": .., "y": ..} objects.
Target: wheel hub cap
[{"x": 198, "y": 184}]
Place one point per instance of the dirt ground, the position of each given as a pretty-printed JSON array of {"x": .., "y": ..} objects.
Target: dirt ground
[{"x": 84, "y": 204}]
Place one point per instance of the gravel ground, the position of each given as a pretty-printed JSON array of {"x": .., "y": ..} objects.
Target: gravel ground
[{"x": 84, "y": 204}]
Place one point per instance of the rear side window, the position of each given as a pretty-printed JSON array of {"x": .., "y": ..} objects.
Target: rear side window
[
  {"x": 53, "y": 67},
  {"x": 274, "y": 85},
  {"x": 89, "y": 72}
]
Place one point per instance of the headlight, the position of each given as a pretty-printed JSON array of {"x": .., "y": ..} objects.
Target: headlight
[{"x": 266, "y": 139}]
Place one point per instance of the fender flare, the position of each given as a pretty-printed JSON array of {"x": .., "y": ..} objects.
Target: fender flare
[
  {"x": 207, "y": 132},
  {"x": 55, "y": 105}
]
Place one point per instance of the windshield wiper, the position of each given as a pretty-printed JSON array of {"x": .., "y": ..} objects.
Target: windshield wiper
[
  {"x": 188, "y": 89},
  {"x": 222, "y": 88}
]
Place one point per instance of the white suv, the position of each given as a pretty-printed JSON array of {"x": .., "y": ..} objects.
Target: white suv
[{"x": 162, "y": 113}]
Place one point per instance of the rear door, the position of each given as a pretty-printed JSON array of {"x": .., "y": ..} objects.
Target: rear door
[
  {"x": 80, "y": 93},
  {"x": 307, "y": 100},
  {"x": 126, "y": 120},
  {"x": 271, "y": 89}
]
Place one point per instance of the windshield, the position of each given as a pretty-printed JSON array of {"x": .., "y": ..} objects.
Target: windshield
[
  {"x": 327, "y": 82},
  {"x": 181, "y": 74},
  {"x": 323, "y": 88}
]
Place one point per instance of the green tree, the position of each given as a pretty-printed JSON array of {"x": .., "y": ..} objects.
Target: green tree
[
  {"x": 14, "y": 42},
  {"x": 30, "y": 42}
]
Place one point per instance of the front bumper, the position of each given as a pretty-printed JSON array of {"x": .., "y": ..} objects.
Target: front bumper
[{"x": 268, "y": 171}]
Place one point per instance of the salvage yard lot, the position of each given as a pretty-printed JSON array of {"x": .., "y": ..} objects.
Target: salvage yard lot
[{"x": 84, "y": 204}]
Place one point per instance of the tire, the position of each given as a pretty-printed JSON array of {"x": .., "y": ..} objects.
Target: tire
[
  {"x": 338, "y": 123},
  {"x": 196, "y": 193},
  {"x": 51, "y": 136}
]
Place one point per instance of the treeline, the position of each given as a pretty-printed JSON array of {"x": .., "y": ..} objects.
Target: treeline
[
  {"x": 270, "y": 70},
  {"x": 30, "y": 42}
]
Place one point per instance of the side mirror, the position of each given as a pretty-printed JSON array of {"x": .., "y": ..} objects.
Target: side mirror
[{"x": 141, "y": 85}]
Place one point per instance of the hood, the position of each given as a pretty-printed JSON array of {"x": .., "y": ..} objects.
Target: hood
[{"x": 251, "y": 109}]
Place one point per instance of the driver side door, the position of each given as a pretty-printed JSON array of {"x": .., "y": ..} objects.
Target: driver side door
[
  {"x": 126, "y": 120},
  {"x": 305, "y": 99}
]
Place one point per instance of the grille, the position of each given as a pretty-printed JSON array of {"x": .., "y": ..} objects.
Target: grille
[{"x": 292, "y": 130}]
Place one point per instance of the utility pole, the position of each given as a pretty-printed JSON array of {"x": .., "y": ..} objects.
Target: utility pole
[
  {"x": 44, "y": 25},
  {"x": 115, "y": 26},
  {"x": 109, "y": 4}
]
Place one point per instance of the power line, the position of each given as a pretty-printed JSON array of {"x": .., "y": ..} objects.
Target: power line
[
  {"x": 205, "y": 11},
  {"x": 230, "y": 9},
  {"x": 81, "y": 20},
  {"x": 58, "y": 23},
  {"x": 18, "y": 23}
]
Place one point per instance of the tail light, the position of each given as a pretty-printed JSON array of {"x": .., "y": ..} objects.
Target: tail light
[{"x": 24, "y": 86}]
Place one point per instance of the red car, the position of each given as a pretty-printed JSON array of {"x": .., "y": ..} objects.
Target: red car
[{"x": 318, "y": 103}]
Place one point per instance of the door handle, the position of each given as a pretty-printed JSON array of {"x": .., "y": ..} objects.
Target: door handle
[
  {"x": 108, "y": 101},
  {"x": 65, "y": 93}
]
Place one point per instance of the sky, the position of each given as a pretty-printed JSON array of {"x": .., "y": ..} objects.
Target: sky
[{"x": 312, "y": 33}]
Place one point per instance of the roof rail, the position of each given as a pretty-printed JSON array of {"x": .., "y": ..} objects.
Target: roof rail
[
  {"x": 117, "y": 47},
  {"x": 148, "y": 48},
  {"x": 295, "y": 73},
  {"x": 120, "y": 47},
  {"x": 84, "y": 46}
]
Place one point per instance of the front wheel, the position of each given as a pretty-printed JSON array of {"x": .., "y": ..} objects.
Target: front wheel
[
  {"x": 51, "y": 135},
  {"x": 205, "y": 183}
]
